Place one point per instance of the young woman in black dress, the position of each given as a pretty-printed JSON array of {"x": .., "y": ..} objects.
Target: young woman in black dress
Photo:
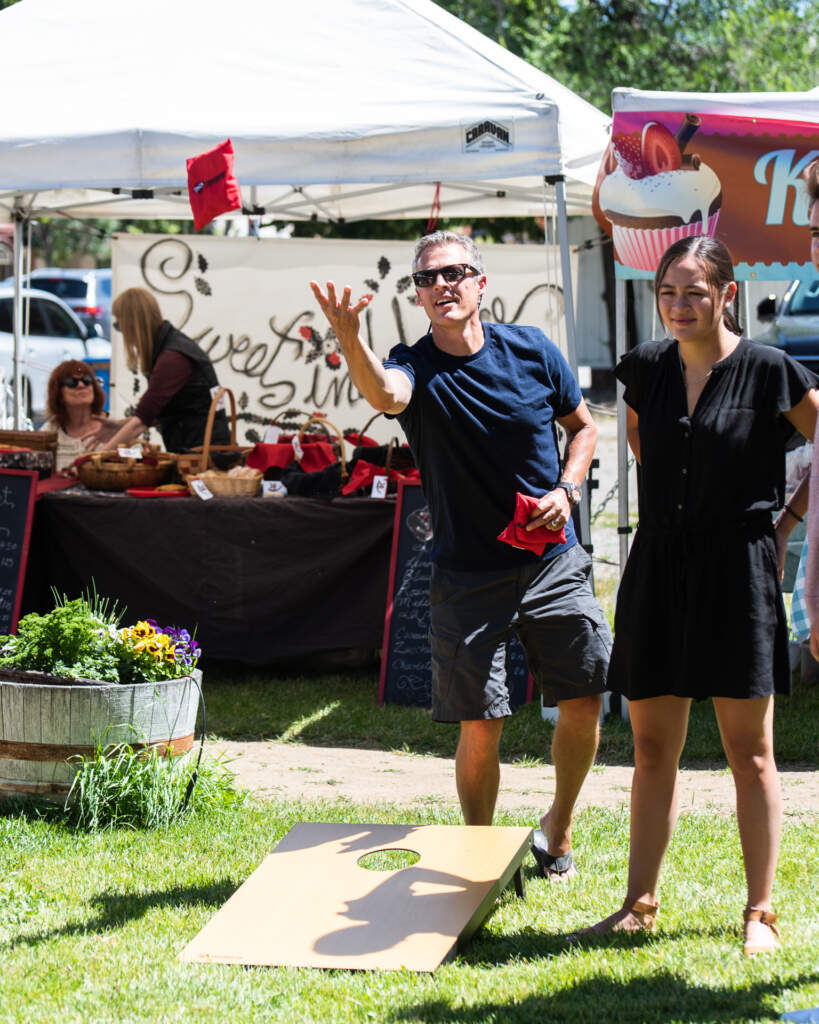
[{"x": 699, "y": 610}]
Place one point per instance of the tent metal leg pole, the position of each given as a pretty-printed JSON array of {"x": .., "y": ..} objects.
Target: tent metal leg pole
[
  {"x": 17, "y": 320},
  {"x": 568, "y": 307},
  {"x": 566, "y": 268},
  {"x": 622, "y": 441},
  {"x": 623, "y": 528},
  {"x": 745, "y": 308}
]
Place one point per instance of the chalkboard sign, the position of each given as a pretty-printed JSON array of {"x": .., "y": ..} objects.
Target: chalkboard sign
[
  {"x": 406, "y": 676},
  {"x": 18, "y": 491}
]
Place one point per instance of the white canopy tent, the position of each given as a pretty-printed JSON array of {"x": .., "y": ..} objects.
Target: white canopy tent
[
  {"x": 799, "y": 115},
  {"x": 343, "y": 109},
  {"x": 336, "y": 109}
]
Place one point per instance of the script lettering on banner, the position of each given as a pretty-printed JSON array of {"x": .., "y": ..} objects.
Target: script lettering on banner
[{"x": 247, "y": 303}]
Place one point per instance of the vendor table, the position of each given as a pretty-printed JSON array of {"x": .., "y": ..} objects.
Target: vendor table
[{"x": 260, "y": 578}]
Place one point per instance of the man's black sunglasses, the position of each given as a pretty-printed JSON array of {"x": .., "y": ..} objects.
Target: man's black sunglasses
[
  {"x": 451, "y": 275},
  {"x": 73, "y": 382}
]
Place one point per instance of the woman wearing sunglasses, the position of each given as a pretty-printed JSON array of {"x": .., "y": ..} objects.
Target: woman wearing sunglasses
[
  {"x": 75, "y": 401},
  {"x": 181, "y": 377}
]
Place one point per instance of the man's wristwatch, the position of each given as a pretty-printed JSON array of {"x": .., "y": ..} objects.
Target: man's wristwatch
[{"x": 572, "y": 491}]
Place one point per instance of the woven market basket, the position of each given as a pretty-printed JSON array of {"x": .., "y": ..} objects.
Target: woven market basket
[
  {"x": 37, "y": 440},
  {"x": 225, "y": 486},
  {"x": 320, "y": 420},
  {"x": 108, "y": 471},
  {"x": 200, "y": 458}
]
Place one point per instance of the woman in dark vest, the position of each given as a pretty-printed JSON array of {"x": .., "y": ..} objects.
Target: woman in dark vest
[{"x": 180, "y": 376}]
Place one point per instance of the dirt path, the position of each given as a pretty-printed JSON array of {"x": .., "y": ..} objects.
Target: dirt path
[{"x": 294, "y": 771}]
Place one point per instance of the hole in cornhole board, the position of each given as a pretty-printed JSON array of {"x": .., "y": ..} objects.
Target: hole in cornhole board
[
  {"x": 388, "y": 860},
  {"x": 311, "y": 903}
]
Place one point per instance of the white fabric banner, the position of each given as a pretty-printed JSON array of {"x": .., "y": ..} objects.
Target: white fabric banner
[{"x": 248, "y": 304}]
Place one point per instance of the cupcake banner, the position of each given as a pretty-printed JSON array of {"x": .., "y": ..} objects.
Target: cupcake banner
[{"x": 667, "y": 175}]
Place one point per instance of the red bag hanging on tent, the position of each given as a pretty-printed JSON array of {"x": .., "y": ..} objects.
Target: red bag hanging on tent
[{"x": 212, "y": 187}]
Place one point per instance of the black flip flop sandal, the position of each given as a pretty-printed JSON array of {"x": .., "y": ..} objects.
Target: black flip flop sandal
[{"x": 554, "y": 868}]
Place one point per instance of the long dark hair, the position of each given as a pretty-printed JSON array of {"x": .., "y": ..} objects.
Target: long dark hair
[{"x": 716, "y": 262}]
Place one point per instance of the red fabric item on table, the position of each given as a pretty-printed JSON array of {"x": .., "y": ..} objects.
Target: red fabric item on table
[
  {"x": 360, "y": 440},
  {"x": 530, "y": 540},
  {"x": 171, "y": 371},
  {"x": 317, "y": 456},
  {"x": 264, "y": 456},
  {"x": 365, "y": 472},
  {"x": 212, "y": 186}
]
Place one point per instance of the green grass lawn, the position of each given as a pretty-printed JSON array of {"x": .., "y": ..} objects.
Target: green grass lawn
[
  {"x": 342, "y": 710},
  {"x": 91, "y": 926}
]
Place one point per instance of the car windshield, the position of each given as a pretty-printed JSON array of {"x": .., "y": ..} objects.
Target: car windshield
[
  {"x": 805, "y": 299},
  {"x": 63, "y": 287}
]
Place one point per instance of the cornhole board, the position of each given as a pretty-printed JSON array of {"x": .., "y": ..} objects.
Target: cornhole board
[{"x": 310, "y": 903}]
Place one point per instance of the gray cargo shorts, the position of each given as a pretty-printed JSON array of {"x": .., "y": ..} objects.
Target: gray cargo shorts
[{"x": 551, "y": 607}]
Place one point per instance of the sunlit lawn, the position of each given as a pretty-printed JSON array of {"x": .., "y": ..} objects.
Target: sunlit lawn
[{"x": 91, "y": 926}]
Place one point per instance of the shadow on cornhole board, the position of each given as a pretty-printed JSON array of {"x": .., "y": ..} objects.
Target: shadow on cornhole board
[{"x": 310, "y": 903}]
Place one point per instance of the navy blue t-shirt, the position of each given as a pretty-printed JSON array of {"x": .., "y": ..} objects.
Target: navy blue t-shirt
[{"x": 482, "y": 428}]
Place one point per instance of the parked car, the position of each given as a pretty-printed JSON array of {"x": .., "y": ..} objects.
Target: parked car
[
  {"x": 54, "y": 334},
  {"x": 87, "y": 292},
  {"x": 793, "y": 325}
]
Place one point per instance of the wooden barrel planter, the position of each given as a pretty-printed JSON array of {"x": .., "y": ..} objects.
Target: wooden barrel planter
[{"x": 44, "y": 720}]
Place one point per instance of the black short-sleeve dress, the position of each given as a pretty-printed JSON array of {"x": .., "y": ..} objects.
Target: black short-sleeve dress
[{"x": 699, "y": 609}]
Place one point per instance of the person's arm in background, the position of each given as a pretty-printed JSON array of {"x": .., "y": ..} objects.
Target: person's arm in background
[
  {"x": 129, "y": 430},
  {"x": 171, "y": 372},
  {"x": 812, "y": 559},
  {"x": 804, "y": 417}
]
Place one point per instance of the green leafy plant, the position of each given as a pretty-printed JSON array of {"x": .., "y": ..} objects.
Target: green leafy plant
[
  {"x": 77, "y": 640},
  {"x": 82, "y": 639}
]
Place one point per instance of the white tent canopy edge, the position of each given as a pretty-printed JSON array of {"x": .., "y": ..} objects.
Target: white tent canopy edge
[{"x": 329, "y": 99}]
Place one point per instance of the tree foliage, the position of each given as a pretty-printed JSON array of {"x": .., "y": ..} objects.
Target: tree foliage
[{"x": 593, "y": 46}]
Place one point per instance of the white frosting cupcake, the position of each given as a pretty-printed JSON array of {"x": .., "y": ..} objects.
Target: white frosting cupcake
[
  {"x": 655, "y": 195},
  {"x": 673, "y": 197}
]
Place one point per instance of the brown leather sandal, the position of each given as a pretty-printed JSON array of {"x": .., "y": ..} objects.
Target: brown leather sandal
[
  {"x": 767, "y": 918},
  {"x": 645, "y": 913}
]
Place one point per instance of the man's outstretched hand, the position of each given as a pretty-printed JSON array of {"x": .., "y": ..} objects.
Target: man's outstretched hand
[{"x": 342, "y": 317}]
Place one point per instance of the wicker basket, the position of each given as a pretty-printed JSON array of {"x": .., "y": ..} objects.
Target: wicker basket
[
  {"x": 325, "y": 424},
  {"x": 108, "y": 471},
  {"x": 37, "y": 440},
  {"x": 307, "y": 427},
  {"x": 225, "y": 486},
  {"x": 199, "y": 459}
]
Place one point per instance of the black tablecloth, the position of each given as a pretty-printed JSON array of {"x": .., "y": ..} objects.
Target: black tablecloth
[{"x": 259, "y": 578}]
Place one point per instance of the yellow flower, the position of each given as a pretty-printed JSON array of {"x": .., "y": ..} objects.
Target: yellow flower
[{"x": 142, "y": 630}]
